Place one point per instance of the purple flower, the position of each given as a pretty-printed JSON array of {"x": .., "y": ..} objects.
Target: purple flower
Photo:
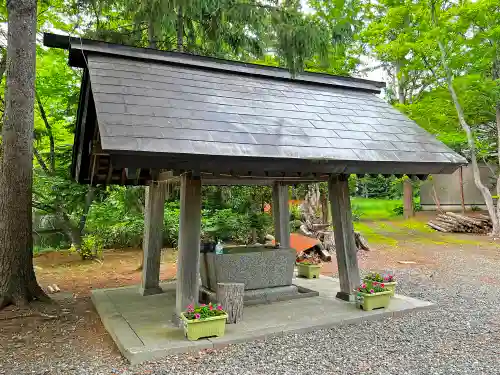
[
  {"x": 219, "y": 308},
  {"x": 372, "y": 291},
  {"x": 197, "y": 316}
]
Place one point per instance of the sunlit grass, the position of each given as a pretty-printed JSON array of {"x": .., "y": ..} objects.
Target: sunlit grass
[{"x": 375, "y": 209}]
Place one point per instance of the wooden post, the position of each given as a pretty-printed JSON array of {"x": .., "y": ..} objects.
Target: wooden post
[
  {"x": 281, "y": 214},
  {"x": 345, "y": 244},
  {"x": 407, "y": 199},
  {"x": 230, "y": 296},
  {"x": 188, "y": 259},
  {"x": 153, "y": 239},
  {"x": 462, "y": 198}
]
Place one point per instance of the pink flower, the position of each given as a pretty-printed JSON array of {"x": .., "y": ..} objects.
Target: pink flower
[
  {"x": 197, "y": 316},
  {"x": 363, "y": 285},
  {"x": 202, "y": 305},
  {"x": 386, "y": 278},
  {"x": 372, "y": 291},
  {"x": 211, "y": 307},
  {"x": 375, "y": 283},
  {"x": 219, "y": 308},
  {"x": 382, "y": 285}
]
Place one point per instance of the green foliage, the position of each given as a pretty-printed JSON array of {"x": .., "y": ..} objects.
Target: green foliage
[
  {"x": 92, "y": 246},
  {"x": 203, "y": 311},
  {"x": 399, "y": 209},
  {"x": 378, "y": 278},
  {"x": 371, "y": 287}
]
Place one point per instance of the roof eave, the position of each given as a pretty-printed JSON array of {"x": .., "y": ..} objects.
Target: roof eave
[{"x": 79, "y": 48}]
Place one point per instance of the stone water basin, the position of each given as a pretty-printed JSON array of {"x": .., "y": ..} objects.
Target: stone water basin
[{"x": 257, "y": 267}]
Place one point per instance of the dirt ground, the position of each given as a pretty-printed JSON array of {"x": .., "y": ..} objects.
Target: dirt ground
[
  {"x": 46, "y": 333},
  {"x": 117, "y": 268}
]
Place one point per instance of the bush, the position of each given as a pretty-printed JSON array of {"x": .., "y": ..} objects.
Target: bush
[{"x": 399, "y": 210}]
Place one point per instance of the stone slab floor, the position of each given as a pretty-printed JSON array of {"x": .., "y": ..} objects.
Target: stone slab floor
[{"x": 141, "y": 326}]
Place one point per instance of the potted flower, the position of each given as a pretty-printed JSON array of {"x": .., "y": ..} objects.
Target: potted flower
[
  {"x": 373, "y": 295},
  {"x": 308, "y": 266},
  {"x": 204, "y": 321},
  {"x": 387, "y": 279}
]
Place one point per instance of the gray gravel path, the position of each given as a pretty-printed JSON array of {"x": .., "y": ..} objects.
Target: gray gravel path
[{"x": 461, "y": 336}]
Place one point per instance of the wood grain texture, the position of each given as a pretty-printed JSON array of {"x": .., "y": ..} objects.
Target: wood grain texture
[
  {"x": 408, "y": 209},
  {"x": 281, "y": 214},
  {"x": 345, "y": 244},
  {"x": 153, "y": 238},
  {"x": 188, "y": 260},
  {"x": 230, "y": 296}
]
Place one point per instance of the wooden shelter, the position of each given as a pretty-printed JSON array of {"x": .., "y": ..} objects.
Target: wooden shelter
[{"x": 146, "y": 115}]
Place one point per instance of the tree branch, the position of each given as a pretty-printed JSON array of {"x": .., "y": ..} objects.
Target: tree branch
[
  {"x": 40, "y": 160},
  {"x": 52, "y": 158}
]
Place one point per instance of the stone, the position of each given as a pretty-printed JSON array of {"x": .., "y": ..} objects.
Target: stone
[{"x": 256, "y": 267}]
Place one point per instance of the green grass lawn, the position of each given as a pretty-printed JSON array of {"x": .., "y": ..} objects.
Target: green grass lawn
[{"x": 374, "y": 209}]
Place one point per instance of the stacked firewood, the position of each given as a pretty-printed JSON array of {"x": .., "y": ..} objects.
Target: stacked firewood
[{"x": 451, "y": 222}]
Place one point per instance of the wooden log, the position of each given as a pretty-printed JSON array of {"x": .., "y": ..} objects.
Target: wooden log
[
  {"x": 464, "y": 219},
  {"x": 436, "y": 227},
  {"x": 361, "y": 242},
  {"x": 442, "y": 224},
  {"x": 230, "y": 296}
]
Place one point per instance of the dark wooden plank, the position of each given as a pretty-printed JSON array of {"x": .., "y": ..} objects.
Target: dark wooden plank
[{"x": 345, "y": 243}]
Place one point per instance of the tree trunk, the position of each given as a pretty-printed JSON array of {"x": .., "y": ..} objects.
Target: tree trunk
[
  {"x": 151, "y": 35},
  {"x": 488, "y": 199},
  {"x": 401, "y": 83},
  {"x": 89, "y": 198},
  {"x": 18, "y": 283},
  {"x": 180, "y": 29},
  {"x": 230, "y": 296}
]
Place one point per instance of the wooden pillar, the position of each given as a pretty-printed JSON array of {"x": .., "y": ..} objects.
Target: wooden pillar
[
  {"x": 188, "y": 259},
  {"x": 345, "y": 244},
  {"x": 153, "y": 239},
  {"x": 281, "y": 214},
  {"x": 407, "y": 199}
]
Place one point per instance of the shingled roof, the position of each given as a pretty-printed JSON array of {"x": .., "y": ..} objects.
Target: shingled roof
[{"x": 196, "y": 111}]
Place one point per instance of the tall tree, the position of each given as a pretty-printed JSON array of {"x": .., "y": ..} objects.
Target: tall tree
[
  {"x": 453, "y": 32},
  {"x": 18, "y": 283}
]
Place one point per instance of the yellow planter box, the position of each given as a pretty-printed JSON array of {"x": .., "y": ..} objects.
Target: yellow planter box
[
  {"x": 198, "y": 328},
  {"x": 309, "y": 271},
  {"x": 368, "y": 301}
]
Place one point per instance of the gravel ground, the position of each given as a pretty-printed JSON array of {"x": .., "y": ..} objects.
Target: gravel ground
[{"x": 460, "y": 336}]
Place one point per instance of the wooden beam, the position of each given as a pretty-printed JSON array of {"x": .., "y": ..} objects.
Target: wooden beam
[
  {"x": 345, "y": 244},
  {"x": 153, "y": 239},
  {"x": 281, "y": 214},
  {"x": 188, "y": 259},
  {"x": 408, "y": 210},
  {"x": 110, "y": 172}
]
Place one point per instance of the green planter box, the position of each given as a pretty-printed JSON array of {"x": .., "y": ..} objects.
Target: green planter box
[
  {"x": 209, "y": 327},
  {"x": 368, "y": 301},
  {"x": 389, "y": 286},
  {"x": 309, "y": 271}
]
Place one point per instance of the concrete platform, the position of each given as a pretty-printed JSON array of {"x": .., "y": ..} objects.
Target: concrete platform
[{"x": 142, "y": 330}]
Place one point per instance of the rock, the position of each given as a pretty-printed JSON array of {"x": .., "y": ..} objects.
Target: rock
[{"x": 269, "y": 238}]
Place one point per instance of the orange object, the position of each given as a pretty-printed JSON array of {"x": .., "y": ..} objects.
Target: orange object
[{"x": 301, "y": 243}]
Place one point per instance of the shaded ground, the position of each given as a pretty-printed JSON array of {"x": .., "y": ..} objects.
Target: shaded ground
[
  {"x": 118, "y": 268},
  {"x": 461, "y": 273}
]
